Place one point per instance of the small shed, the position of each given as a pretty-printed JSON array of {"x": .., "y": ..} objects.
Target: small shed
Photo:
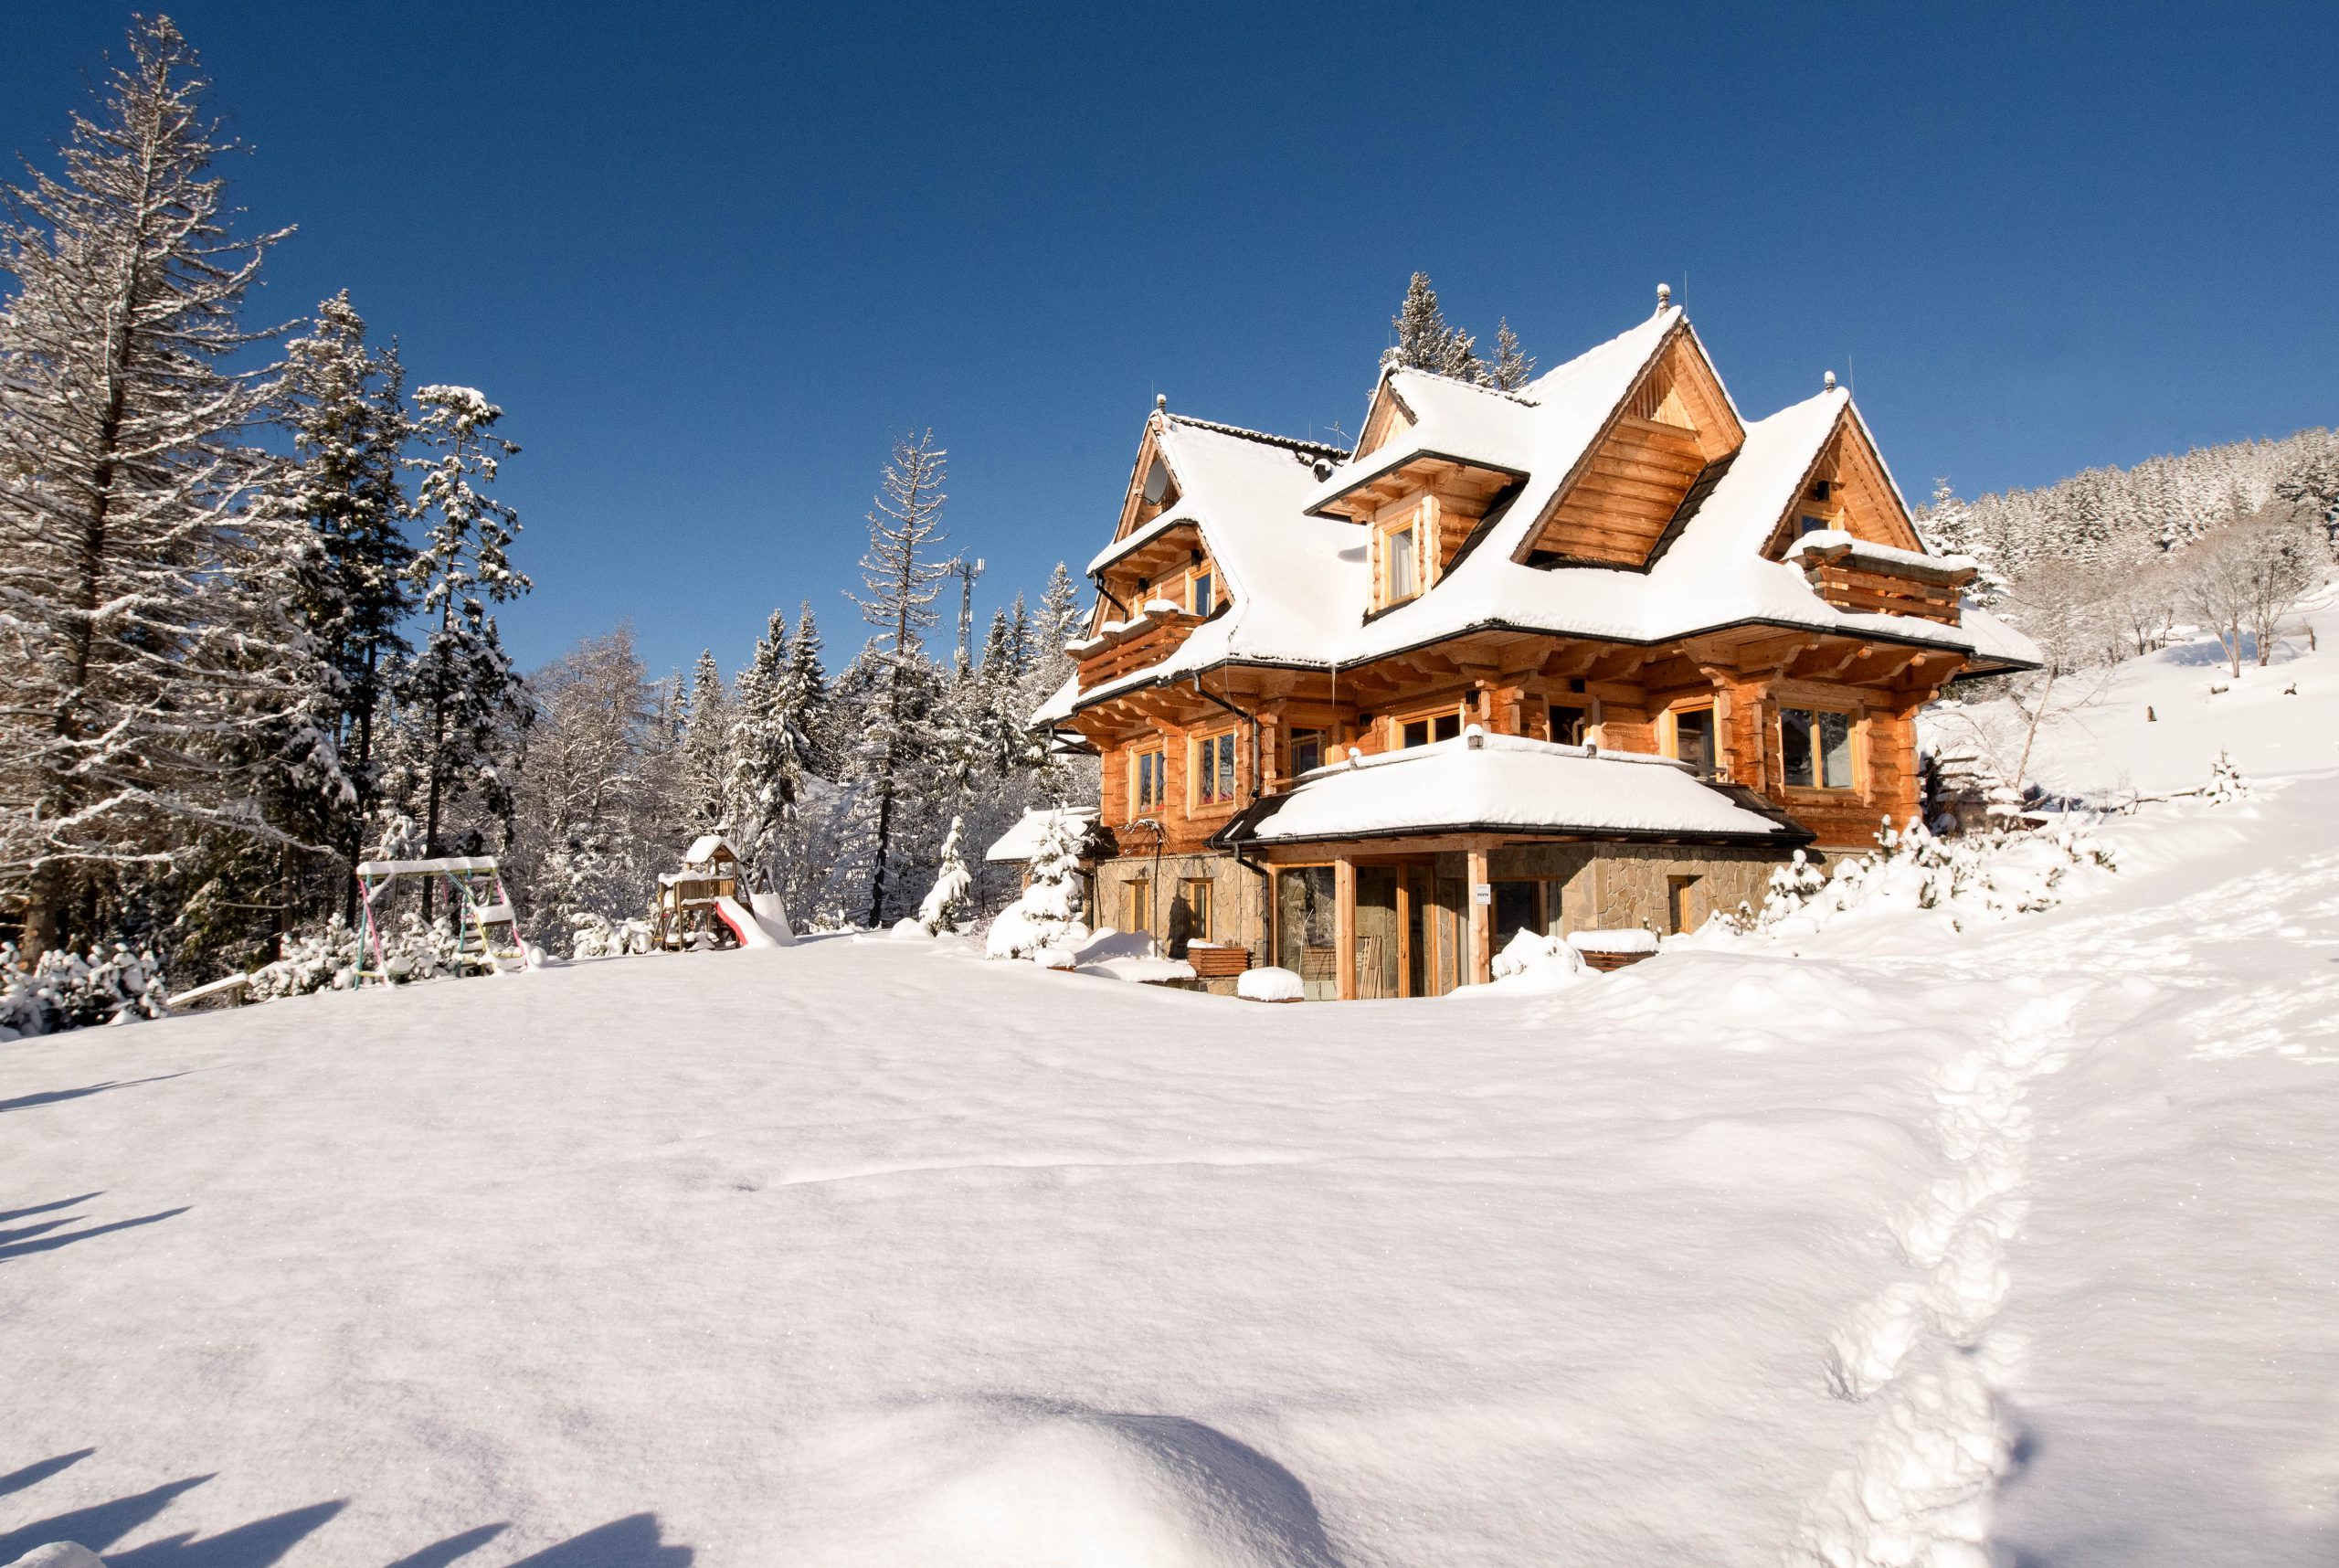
[{"x": 683, "y": 907}]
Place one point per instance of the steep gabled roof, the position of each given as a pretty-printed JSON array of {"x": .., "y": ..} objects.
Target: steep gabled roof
[{"x": 1298, "y": 578}]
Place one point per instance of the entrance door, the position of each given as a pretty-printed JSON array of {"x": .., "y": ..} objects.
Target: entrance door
[
  {"x": 1435, "y": 931},
  {"x": 1306, "y": 911}
]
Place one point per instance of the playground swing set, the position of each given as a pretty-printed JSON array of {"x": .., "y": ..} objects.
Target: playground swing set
[{"x": 486, "y": 932}]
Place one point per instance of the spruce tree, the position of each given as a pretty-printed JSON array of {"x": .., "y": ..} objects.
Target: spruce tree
[
  {"x": 767, "y": 756},
  {"x": 345, "y": 405},
  {"x": 1513, "y": 368},
  {"x": 806, "y": 699},
  {"x": 706, "y": 751},
  {"x": 154, "y": 679},
  {"x": 461, "y": 699},
  {"x": 1424, "y": 341},
  {"x": 902, "y": 574}
]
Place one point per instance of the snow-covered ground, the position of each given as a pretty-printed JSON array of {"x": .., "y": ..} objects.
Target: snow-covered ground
[{"x": 1863, "y": 1248}]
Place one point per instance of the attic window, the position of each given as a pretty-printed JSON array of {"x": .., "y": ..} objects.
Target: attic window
[
  {"x": 1808, "y": 524},
  {"x": 1821, "y": 489},
  {"x": 1204, "y": 585}
]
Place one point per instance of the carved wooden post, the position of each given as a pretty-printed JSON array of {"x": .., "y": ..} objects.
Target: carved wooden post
[
  {"x": 1482, "y": 919},
  {"x": 1344, "y": 926}
]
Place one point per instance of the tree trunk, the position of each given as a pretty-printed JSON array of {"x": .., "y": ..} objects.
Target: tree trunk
[{"x": 2030, "y": 737}]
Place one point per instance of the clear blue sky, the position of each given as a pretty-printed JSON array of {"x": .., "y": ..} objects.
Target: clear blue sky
[{"x": 712, "y": 257}]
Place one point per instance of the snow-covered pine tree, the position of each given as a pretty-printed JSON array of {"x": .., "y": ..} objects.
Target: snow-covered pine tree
[
  {"x": 706, "y": 751},
  {"x": 589, "y": 827},
  {"x": 806, "y": 702},
  {"x": 1045, "y": 922},
  {"x": 461, "y": 699},
  {"x": 902, "y": 573},
  {"x": 1424, "y": 341},
  {"x": 153, "y": 679},
  {"x": 945, "y": 901},
  {"x": 1513, "y": 368},
  {"x": 767, "y": 756},
  {"x": 345, "y": 405}
]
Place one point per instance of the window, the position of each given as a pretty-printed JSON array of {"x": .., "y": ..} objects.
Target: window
[
  {"x": 1570, "y": 722},
  {"x": 1517, "y": 909},
  {"x": 1190, "y": 915},
  {"x": 1693, "y": 739},
  {"x": 1148, "y": 781},
  {"x": 1431, "y": 727},
  {"x": 1821, "y": 489},
  {"x": 1807, "y": 524},
  {"x": 1307, "y": 751},
  {"x": 1680, "y": 904},
  {"x": 1137, "y": 905},
  {"x": 1198, "y": 599},
  {"x": 1815, "y": 749},
  {"x": 1400, "y": 564},
  {"x": 1214, "y": 769}
]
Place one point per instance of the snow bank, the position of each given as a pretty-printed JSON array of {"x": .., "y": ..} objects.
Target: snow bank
[
  {"x": 1532, "y": 959},
  {"x": 1269, "y": 984},
  {"x": 1004, "y": 1482}
]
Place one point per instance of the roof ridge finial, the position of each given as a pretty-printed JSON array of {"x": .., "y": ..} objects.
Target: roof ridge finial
[
  {"x": 1828, "y": 382},
  {"x": 1161, "y": 402},
  {"x": 1663, "y": 297}
]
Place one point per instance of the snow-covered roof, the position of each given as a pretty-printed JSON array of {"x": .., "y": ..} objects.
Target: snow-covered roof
[
  {"x": 1834, "y": 544},
  {"x": 1021, "y": 841},
  {"x": 1506, "y": 783},
  {"x": 702, "y": 849},
  {"x": 1299, "y": 581}
]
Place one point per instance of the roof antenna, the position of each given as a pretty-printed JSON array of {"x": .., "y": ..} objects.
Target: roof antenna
[{"x": 1663, "y": 297}]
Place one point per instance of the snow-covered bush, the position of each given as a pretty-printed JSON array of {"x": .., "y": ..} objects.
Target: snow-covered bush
[
  {"x": 328, "y": 959},
  {"x": 597, "y": 936},
  {"x": 1269, "y": 984},
  {"x": 1532, "y": 957},
  {"x": 1992, "y": 877},
  {"x": 1047, "y": 917},
  {"x": 2225, "y": 786},
  {"x": 64, "y": 990},
  {"x": 946, "y": 902}
]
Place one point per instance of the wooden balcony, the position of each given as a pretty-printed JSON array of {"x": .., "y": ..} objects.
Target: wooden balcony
[
  {"x": 1869, "y": 580},
  {"x": 1151, "y": 636}
]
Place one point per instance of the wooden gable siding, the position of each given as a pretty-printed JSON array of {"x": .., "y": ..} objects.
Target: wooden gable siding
[
  {"x": 1386, "y": 417},
  {"x": 1861, "y": 499},
  {"x": 1626, "y": 493}
]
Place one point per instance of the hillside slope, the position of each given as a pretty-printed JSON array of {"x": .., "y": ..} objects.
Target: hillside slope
[{"x": 1870, "y": 1246}]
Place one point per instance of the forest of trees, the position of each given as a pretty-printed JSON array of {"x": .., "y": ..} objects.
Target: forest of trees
[{"x": 249, "y": 584}]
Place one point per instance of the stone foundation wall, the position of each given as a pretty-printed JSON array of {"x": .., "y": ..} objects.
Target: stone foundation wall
[{"x": 1238, "y": 901}]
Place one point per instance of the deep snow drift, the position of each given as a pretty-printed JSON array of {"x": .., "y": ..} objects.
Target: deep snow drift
[{"x": 1865, "y": 1247}]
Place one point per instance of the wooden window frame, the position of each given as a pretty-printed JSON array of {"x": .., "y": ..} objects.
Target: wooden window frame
[
  {"x": 1856, "y": 721},
  {"x": 1670, "y": 738},
  {"x": 1201, "y": 912},
  {"x": 1384, "y": 540},
  {"x": 1201, "y": 774},
  {"x": 1140, "y": 803},
  {"x": 1136, "y": 898},
  {"x": 1323, "y": 740},
  {"x": 1458, "y": 711},
  {"x": 1205, "y": 573}
]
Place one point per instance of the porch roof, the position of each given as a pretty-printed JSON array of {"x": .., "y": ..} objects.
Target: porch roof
[{"x": 1508, "y": 784}]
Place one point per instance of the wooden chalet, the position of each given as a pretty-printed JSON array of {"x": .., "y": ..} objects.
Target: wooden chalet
[{"x": 1595, "y": 654}]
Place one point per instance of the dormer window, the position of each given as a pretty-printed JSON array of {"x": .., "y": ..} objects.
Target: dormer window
[
  {"x": 1401, "y": 564},
  {"x": 1808, "y": 524}
]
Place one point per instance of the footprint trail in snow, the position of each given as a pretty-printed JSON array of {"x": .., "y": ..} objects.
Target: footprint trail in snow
[{"x": 1918, "y": 1491}]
